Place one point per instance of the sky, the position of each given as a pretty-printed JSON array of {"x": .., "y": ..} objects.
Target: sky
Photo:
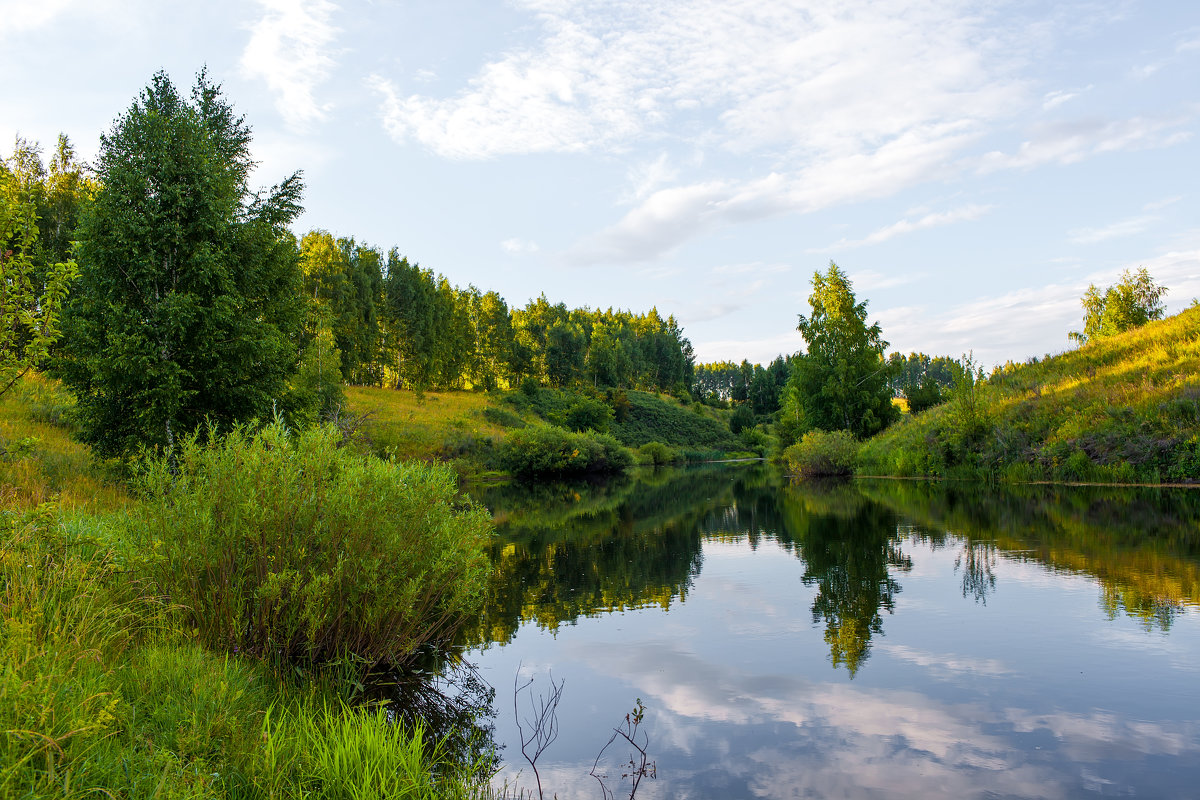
[{"x": 972, "y": 165}]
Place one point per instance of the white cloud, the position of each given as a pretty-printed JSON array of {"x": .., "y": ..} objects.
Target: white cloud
[
  {"x": 873, "y": 280},
  {"x": 904, "y": 226},
  {"x": 945, "y": 662},
  {"x": 645, "y": 178},
  {"x": 517, "y": 246},
  {"x": 291, "y": 49},
  {"x": 1071, "y": 142},
  {"x": 28, "y": 15},
  {"x": 827, "y": 78},
  {"x": 1055, "y": 99},
  {"x": 1125, "y": 227}
]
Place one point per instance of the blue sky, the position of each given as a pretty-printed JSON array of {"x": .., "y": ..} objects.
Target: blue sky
[{"x": 972, "y": 164}]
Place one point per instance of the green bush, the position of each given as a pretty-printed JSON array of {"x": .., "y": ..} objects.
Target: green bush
[
  {"x": 649, "y": 419},
  {"x": 542, "y": 451},
  {"x": 505, "y": 419},
  {"x": 587, "y": 414},
  {"x": 657, "y": 454},
  {"x": 820, "y": 454},
  {"x": 284, "y": 545}
]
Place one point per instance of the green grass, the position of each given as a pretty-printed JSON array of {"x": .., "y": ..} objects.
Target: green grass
[
  {"x": 109, "y": 687},
  {"x": 1122, "y": 409}
]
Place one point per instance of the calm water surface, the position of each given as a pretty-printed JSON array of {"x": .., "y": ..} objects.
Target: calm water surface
[{"x": 876, "y": 639}]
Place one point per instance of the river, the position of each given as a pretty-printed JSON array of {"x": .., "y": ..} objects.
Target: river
[{"x": 873, "y": 639}]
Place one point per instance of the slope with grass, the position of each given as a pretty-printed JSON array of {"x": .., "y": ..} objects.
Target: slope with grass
[
  {"x": 1121, "y": 409},
  {"x": 476, "y": 431}
]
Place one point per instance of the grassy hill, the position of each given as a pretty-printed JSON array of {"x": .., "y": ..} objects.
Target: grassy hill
[
  {"x": 1122, "y": 409},
  {"x": 468, "y": 428}
]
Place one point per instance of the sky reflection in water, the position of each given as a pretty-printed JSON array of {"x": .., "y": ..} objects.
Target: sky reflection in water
[{"x": 884, "y": 640}]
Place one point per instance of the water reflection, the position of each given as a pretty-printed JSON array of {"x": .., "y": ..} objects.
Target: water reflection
[
  {"x": 567, "y": 551},
  {"x": 860, "y": 640}
]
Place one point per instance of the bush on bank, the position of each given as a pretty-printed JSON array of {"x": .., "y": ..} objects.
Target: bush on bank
[
  {"x": 286, "y": 546},
  {"x": 545, "y": 450},
  {"x": 822, "y": 454}
]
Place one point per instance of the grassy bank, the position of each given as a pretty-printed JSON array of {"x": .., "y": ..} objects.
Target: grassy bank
[
  {"x": 204, "y": 632},
  {"x": 495, "y": 433},
  {"x": 1122, "y": 409}
]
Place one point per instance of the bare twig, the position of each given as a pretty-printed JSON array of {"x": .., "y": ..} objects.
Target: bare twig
[
  {"x": 639, "y": 766},
  {"x": 542, "y": 722}
]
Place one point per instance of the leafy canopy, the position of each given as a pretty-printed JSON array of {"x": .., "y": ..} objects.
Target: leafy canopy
[
  {"x": 841, "y": 381},
  {"x": 1130, "y": 303},
  {"x": 189, "y": 306}
]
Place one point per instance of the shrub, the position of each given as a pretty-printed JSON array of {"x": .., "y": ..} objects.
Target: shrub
[
  {"x": 545, "y": 450},
  {"x": 743, "y": 418},
  {"x": 587, "y": 414},
  {"x": 284, "y": 545},
  {"x": 505, "y": 419},
  {"x": 657, "y": 454},
  {"x": 926, "y": 395},
  {"x": 820, "y": 454}
]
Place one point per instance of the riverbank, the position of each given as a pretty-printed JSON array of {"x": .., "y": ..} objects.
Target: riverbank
[
  {"x": 176, "y": 647},
  {"x": 1124, "y": 409},
  {"x": 493, "y": 434}
]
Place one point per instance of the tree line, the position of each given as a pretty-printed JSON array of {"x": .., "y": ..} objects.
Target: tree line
[
  {"x": 196, "y": 303},
  {"x": 397, "y": 324}
]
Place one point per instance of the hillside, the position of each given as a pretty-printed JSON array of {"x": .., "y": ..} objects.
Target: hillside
[
  {"x": 468, "y": 428},
  {"x": 1123, "y": 409}
]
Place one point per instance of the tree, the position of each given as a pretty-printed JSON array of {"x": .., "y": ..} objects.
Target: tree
[
  {"x": 29, "y": 312},
  {"x": 841, "y": 382},
  {"x": 1130, "y": 303},
  {"x": 189, "y": 307}
]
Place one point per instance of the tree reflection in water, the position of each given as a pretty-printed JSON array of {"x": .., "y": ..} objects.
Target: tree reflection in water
[{"x": 566, "y": 551}]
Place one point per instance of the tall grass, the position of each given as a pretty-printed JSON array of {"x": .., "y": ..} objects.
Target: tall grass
[
  {"x": 39, "y": 462},
  {"x": 62, "y": 621},
  {"x": 285, "y": 546}
]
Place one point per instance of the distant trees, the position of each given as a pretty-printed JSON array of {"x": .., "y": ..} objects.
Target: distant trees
[
  {"x": 922, "y": 380},
  {"x": 189, "y": 306},
  {"x": 31, "y": 292},
  {"x": 1130, "y": 303},
  {"x": 841, "y": 381}
]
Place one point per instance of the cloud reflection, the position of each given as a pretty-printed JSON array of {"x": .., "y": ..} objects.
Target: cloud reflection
[{"x": 848, "y": 741}]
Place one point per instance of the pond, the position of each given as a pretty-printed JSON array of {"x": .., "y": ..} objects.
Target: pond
[{"x": 874, "y": 639}]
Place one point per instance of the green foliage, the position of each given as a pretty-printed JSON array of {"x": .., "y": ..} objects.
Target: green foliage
[
  {"x": 651, "y": 420},
  {"x": 1122, "y": 408},
  {"x": 60, "y": 608},
  {"x": 316, "y": 389},
  {"x": 345, "y": 753},
  {"x": 1130, "y": 303},
  {"x": 822, "y": 454},
  {"x": 505, "y": 419},
  {"x": 908, "y": 373},
  {"x": 588, "y": 414},
  {"x": 743, "y": 418},
  {"x": 285, "y": 546},
  {"x": 30, "y": 304},
  {"x": 188, "y": 306},
  {"x": 927, "y": 394},
  {"x": 657, "y": 454},
  {"x": 541, "y": 451},
  {"x": 841, "y": 382}
]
